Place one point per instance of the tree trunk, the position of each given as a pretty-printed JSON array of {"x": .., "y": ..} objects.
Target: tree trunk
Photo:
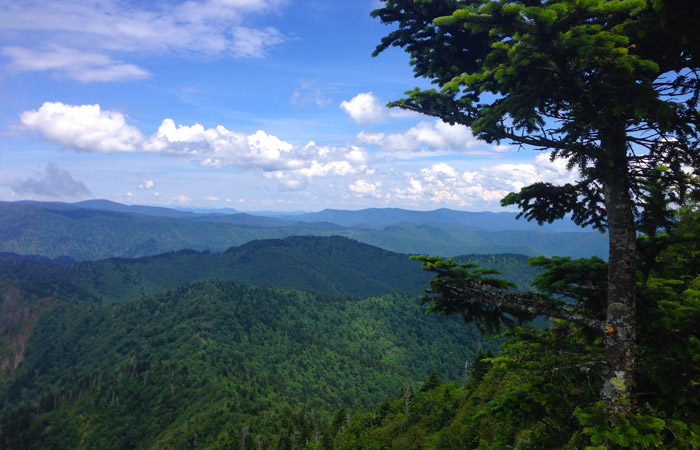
[{"x": 620, "y": 320}]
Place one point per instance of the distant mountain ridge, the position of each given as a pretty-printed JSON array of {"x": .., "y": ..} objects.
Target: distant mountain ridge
[
  {"x": 330, "y": 265},
  {"x": 384, "y": 217},
  {"x": 102, "y": 229},
  {"x": 363, "y": 218}
]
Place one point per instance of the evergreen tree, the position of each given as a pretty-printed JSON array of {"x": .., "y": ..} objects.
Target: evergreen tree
[{"x": 610, "y": 86}]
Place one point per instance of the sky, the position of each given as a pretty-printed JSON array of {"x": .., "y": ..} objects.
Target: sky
[{"x": 254, "y": 105}]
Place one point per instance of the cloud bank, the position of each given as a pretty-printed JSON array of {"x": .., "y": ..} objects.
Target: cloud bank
[
  {"x": 88, "y": 128},
  {"x": 364, "y": 175},
  {"x": 441, "y": 184}
]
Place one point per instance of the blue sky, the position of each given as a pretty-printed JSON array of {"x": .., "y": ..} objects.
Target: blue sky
[{"x": 245, "y": 104}]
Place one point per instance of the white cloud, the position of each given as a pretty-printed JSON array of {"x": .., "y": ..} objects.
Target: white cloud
[
  {"x": 180, "y": 199},
  {"x": 253, "y": 43},
  {"x": 443, "y": 184},
  {"x": 147, "y": 184},
  {"x": 55, "y": 183},
  {"x": 365, "y": 188},
  {"x": 90, "y": 32},
  {"x": 91, "y": 129},
  {"x": 87, "y": 127},
  {"x": 69, "y": 63},
  {"x": 221, "y": 147},
  {"x": 312, "y": 161},
  {"x": 293, "y": 167},
  {"x": 365, "y": 108},
  {"x": 432, "y": 136}
]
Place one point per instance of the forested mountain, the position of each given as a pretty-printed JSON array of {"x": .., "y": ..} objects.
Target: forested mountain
[
  {"x": 331, "y": 265},
  {"x": 211, "y": 361},
  {"x": 451, "y": 240},
  {"x": 72, "y": 230},
  {"x": 386, "y": 217},
  {"x": 100, "y": 354},
  {"x": 86, "y": 234},
  {"x": 88, "y": 361}
]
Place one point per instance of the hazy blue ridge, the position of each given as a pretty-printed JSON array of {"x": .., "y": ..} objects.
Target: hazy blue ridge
[{"x": 63, "y": 230}]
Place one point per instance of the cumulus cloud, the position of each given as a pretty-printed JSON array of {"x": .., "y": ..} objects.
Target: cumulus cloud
[
  {"x": 444, "y": 184},
  {"x": 364, "y": 188},
  {"x": 312, "y": 161},
  {"x": 147, "y": 184},
  {"x": 432, "y": 136},
  {"x": 87, "y": 127},
  {"x": 85, "y": 35},
  {"x": 220, "y": 147},
  {"x": 293, "y": 167},
  {"x": 55, "y": 183},
  {"x": 365, "y": 108}
]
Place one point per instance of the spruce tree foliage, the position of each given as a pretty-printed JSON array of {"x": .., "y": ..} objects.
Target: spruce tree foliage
[
  {"x": 611, "y": 87},
  {"x": 481, "y": 365}
]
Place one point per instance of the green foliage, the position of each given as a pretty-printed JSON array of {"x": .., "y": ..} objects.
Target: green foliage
[
  {"x": 324, "y": 264},
  {"x": 206, "y": 361},
  {"x": 524, "y": 399},
  {"x": 432, "y": 382},
  {"x": 514, "y": 268},
  {"x": 480, "y": 366},
  {"x": 446, "y": 297},
  {"x": 636, "y": 429},
  {"x": 215, "y": 364},
  {"x": 583, "y": 281},
  {"x": 589, "y": 82}
]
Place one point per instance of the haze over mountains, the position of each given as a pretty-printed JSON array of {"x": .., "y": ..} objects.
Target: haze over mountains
[{"x": 101, "y": 229}]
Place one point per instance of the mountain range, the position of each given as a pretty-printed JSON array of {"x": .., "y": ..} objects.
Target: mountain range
[
  {"x": 101, "y": 229},
  {"x": 172, "y": 351}
]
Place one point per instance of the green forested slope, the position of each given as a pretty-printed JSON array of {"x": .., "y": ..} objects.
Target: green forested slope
[
  {"x": 333, "y": 265},
  {"x": 89, "y": 362},
  {"x": 451, "y": 239},
  {"x": 208, "y": 361}
]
